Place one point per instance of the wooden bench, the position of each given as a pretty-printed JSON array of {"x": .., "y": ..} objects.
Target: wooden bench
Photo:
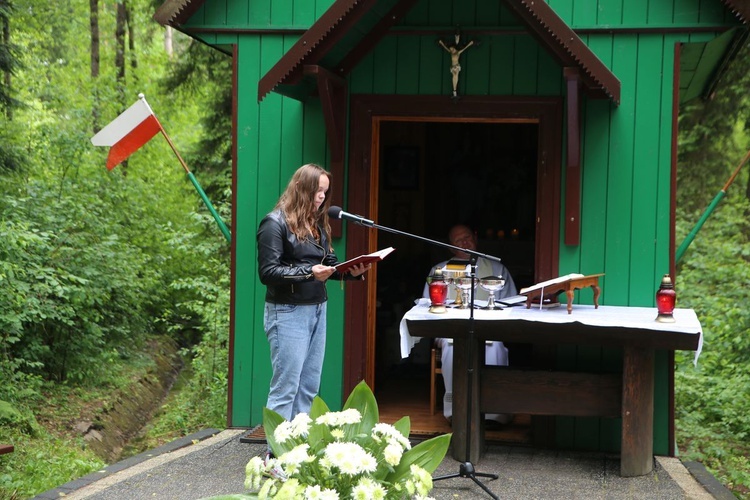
[{"x": 6, "y": 448}]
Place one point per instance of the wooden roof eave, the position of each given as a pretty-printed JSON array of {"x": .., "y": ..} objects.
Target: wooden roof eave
[
  {"x": 567, "y": 47},
  {"x": 740, "y": 8},
  {"x": 175, "y": 13},
  {"x": 313, "y": 44},
  {"x": 552, "y": 32}
]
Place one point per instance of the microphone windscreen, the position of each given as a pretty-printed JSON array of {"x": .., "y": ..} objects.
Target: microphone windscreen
[{"x": 334, "y": 212}]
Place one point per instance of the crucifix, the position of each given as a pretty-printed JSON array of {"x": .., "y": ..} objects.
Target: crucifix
[{"x": 455, "y": 52}]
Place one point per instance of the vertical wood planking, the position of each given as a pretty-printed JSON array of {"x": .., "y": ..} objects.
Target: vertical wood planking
[
  {"x": 584, "y": 13},
  {"x": 282, "y": 13},
  {"x": 609, "y": 13},
  {"x": 646, "y": 167},
  {"x": 441, "y": 13},
  {"x": 430, "y": 66},
  {"x": 303, "y": 14},
  {"x": 215, "y": 14},
  {"x": 525, "y": 67},
  {"x": 549, "y": 75},
  {"x": 238, "y": 13},
  {"x": 250, "y": 355},
  {"x": 477, "y": 70},
  {"x": 407, "y": 67},
  {"x": 385, "y": 58},
  {"x": 620, "y": 176},
  {"x": 503, "y": 59},
  {"x": 260, "y": 13},
  {"x": 361, "y": 77},
  {"x": 488, "y": 14},
  {"x": 686, "y": 11}
]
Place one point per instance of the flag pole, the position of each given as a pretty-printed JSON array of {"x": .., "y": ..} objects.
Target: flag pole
[
  {"x": 222, "y": 227},
  {"x": 719, "y": 196}
]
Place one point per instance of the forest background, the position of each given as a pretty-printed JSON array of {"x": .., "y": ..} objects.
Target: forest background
[{"x": 97, "y": 267}]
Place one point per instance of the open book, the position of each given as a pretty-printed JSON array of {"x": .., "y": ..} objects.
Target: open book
[
  {"x": 364, "y": 259},
  {"x": 553, "y": 281}
]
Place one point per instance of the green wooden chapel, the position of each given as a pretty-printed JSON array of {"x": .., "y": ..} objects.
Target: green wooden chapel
[{"x": 550, "y": 125}]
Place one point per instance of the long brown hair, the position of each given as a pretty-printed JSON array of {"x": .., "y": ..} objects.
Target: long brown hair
[{"x": 297, "y": 202}]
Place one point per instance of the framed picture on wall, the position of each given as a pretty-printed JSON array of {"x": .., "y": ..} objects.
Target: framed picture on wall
[{"x": 401, "y": 168}]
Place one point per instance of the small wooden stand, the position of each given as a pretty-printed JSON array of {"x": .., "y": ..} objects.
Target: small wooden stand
[{"x": 569, "y": 287}]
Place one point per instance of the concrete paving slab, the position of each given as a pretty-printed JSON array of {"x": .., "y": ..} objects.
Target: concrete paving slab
[{"x": 215, "y": 465}]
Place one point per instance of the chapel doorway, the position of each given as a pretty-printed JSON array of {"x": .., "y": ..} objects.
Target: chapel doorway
[{"x": 432, "y": 175}]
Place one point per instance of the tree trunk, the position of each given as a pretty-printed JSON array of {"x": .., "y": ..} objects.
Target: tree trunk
[
  {"x": 120, "y": 48},
  {"x": 94, "y": 27},
  {"x": 8, "y": 65},
  {"x": 120, "y": 61},
  {"x": 168, "y": 41},
  {"x": 131, "y": 38}
]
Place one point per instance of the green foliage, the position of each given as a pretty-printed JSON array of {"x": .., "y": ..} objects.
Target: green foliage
[
  {"x": 42, "y": 463},
  {"x": 93, "y": 264},
  {"x": 712, "y": 400}
]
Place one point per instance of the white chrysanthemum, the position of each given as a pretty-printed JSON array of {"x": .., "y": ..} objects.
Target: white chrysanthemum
[
  {"x": 325, "y": 465},
  {"x": 392, "y": 454},
  {"x": 268, "y": 490},
  {"x": 301, "y": 425},
  {"x": 296, "y": 455},
  {"x": 390, "y": 433},
  {"x": 422, "y": 480},
  {"x": 253, "y": 473},
  {"x": 318, "y": 493},
  {"x": 339, "y": 418},
  {"x": 283, "y": 432},
  {"x": 367, "y": 489},
  {"x": 290, "y": 490},
  {"x": 350, "y": 458},
  {"x": 338, "y": 434}
]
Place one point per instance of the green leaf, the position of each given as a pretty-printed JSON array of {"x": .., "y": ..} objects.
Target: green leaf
[
  {"x": 403, "y": 426},
  {"x": 271, "y": 420},
  {"x": 427, "y": 454},
  {"x": 362, "y": 399}
]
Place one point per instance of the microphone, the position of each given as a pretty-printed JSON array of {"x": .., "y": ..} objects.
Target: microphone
[{"x": 335, "y": 212}]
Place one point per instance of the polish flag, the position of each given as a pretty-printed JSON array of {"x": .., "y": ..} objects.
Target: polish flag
[{"x": 128, "y": 132}]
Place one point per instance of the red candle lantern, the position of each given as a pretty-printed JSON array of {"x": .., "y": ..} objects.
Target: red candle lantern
[
  {"x": 438, "y": 292},
  {"x": 665, "y": 300}
]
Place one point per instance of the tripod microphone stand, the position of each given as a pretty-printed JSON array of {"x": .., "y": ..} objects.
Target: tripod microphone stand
[{"x": 466, "y": 468}]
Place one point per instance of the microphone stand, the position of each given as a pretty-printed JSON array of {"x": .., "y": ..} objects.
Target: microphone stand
[{"x": 466, "y": 468}]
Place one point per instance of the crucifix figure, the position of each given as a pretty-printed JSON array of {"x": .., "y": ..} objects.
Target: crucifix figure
[{"x": 455, "y": 51}]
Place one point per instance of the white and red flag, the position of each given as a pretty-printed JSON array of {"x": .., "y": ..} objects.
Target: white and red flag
[{"x": 128, "y": 132}]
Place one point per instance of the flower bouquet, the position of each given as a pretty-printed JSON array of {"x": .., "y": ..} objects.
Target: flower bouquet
[{"x": 342, "y": 455}]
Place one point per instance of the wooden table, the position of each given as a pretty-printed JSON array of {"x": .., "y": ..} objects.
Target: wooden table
[{"x": 629, "y": 395}]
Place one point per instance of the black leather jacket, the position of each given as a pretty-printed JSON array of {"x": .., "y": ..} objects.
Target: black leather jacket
[{"x": 285, "y": 263}]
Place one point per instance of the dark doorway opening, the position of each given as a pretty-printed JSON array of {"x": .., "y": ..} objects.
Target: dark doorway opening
[{"x": 432, "y": 175}]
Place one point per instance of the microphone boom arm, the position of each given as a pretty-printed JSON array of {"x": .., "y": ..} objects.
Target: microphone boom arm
[{"x": 433, "y": 242}]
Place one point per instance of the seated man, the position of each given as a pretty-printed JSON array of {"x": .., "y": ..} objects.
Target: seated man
[{"x": 496, "y": 354}]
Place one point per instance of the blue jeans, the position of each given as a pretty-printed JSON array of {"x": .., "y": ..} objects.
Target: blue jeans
[{"x": 297, "y": 336}]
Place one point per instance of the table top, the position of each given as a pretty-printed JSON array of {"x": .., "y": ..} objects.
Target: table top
[{"x": 605, "y": 325}]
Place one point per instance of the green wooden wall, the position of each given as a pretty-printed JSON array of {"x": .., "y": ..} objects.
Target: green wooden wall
[
  {"x": 626, "y": 154},
  {"x": 273, "y": 140}
]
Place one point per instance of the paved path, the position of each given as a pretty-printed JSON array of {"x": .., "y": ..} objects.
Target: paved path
[{"x": 213, "y": 463}]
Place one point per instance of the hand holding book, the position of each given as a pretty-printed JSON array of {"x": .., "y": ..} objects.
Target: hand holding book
[{"x": 364, "y": 259}]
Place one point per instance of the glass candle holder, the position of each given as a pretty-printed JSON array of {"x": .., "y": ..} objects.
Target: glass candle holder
[
  {"x": 438, "y": 293},
  {"x": 665, "y": 300}
]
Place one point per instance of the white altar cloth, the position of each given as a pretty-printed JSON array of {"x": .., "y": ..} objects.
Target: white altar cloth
[{"x": 686, "y": 321}]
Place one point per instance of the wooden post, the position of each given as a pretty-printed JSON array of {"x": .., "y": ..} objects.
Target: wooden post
[{"x": 637, "y": 412}]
